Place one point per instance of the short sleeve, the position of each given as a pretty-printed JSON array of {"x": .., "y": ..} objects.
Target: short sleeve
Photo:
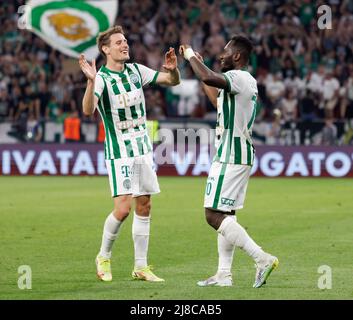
[
  {"x": 98, "y": 86},
  {"x": 235, "y": 81},
  {"x": 148, "y": 75}
]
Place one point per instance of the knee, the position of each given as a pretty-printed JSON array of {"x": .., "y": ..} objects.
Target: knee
[
  {"x": 122, "y": 211},
  {"x": 214, "y": 218},
  {"x": 143, "y": 208}
]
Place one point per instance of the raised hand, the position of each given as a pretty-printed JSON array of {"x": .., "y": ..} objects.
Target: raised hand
[
  {"x": 182, "y": 49},
  {"x": 198, "y": 56},
  {"x": 90, "y": 71},
  {"x": 170, "y": 60}
]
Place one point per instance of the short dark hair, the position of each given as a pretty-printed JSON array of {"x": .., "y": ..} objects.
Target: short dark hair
[
  {"x": 244, "y": 47},
  {"x": 103, "y": 38}
]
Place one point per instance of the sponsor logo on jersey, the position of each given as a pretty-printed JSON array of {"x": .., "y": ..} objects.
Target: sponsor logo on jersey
[
  {"x": 227, "y": 202},
  {"x": 125, "y": 171}
]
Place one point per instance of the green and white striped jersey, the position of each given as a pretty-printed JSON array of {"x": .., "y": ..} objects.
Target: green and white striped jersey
[
  {"x": 123, "y": 110},
  {"x": 236, "y": 111}
]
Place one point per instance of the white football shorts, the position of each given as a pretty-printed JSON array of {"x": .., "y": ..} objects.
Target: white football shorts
[
  {"x": 226, "y": 186},
  {"x": 134, "y": 176}
]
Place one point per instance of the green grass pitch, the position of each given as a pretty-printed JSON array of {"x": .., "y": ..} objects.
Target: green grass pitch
[{"x": 54, "y": 225}]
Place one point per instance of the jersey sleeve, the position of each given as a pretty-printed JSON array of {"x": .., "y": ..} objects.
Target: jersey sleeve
[
  {"x": 148, "y": 75},
  {"x": 98, "y": 86},
  {"x": 235, "y": 81}
]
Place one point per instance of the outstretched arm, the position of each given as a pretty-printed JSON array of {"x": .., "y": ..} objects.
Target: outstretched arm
[
  {"x": 205, "y": 74},
  {"x": 89, "y": 101},
  {"x": 172, "y": 76}
]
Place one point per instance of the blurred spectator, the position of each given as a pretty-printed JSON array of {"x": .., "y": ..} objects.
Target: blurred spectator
[
  {"x": 188, "y": 94},
  {"x": 68, "y": 104},
  {"x": 275, "y": 88},
  {"x": 289, "y": 106},
  {"x": 53, "y": 109},
  {"x": 43, "y": 97},
  {"x": 72, "y": 127},
  {"x": 274, "y": 134},
  {"x": 315, "y": 79},
  {"x": 15, "y": 98},
  {"x": 306, "y": 13},
  {"x": 155, "y": 104},
  {"x": 4, "y": 104},
  {"x": 308, "y": 106},
  {"x": 275, "y": 65},
  {"x": 346, "y": 110},
  {"x": 59, "y": 88},
  {"x": 26, "y": 105},
  {"x": 268, "y": 132},
  {"x": 216, "y": 41},
  {"x": 330, "y": 92},
  {"x": 329, "y": 133},
  {"x": 101, "y": 132},
  {"x": 34, "y": 129}
]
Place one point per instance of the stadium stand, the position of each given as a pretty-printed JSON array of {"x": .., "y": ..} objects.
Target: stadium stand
[{"x": 305, "y": 75}]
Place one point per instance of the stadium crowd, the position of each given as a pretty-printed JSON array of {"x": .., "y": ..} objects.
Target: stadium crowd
[{"x": 304, "y": 74}]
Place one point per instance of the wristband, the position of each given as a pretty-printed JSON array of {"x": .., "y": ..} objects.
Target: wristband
[{"x": 189, "y": 53}]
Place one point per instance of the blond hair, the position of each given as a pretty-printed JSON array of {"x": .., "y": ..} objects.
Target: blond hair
[{"x": 103, "y": 38}]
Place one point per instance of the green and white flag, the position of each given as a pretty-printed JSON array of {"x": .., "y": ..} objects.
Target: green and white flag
[{"x": 71, "y": 26}]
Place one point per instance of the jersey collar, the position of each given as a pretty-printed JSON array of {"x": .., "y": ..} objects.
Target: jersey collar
[{"x": 108, "y": 71}]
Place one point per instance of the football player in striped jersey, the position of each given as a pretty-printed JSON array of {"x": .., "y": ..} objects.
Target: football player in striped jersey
[
  {"x": 116, "y": 91},
  {"x": 233, "y": 92}
]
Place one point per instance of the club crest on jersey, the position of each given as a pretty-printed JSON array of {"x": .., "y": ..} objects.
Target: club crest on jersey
[
  {"x": 134, "y": 78},
  {"x": 127, "y": 184}
]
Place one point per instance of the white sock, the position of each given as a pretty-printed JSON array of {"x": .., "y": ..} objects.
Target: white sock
[
  {"x": 141, "y": 235},
  {"x": 236, "y": 234},
  {"x": 110, "y": 232},
  {"x": 225, "y": 254}
]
